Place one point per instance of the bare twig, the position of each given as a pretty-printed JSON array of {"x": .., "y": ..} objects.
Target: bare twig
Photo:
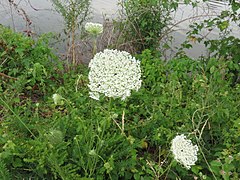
[
  {"x": 21, "y": 12},
  {"x": 6, "y": 76}
]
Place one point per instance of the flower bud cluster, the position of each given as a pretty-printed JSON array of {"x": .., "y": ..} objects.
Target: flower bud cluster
[{"x": 94, "y": 28}]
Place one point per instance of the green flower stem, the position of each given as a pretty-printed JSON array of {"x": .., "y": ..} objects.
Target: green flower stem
[
  {"x": 204, "y": 157},
  {"x": 107, "y": 121},
  {"x": 102, "y": 133},
  {"x": 8, "y": 107},
  {"x": 123, "y": 118},
  {"x": 37, "y": 111},
  {"x": 94, "y": 46},
  {"x": 93, "y": 164},
  {"x": 168, "y": 168}
]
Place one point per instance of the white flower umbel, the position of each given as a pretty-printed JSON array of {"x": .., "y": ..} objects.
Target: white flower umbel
[
  {"x": 94, "y": 28},
  {"x": 114, "y": 73},
  {"x": 184, "y": 151}
]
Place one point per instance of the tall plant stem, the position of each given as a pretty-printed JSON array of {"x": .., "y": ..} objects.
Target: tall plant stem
[
  {"x": 12, "y": 18},
  {"x": 73, "y": 45},
  {"x": 68, "y": 51},
  {"x": 73, "y": 29}
]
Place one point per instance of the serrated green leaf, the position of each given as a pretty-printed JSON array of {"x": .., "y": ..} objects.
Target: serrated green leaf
[{"x": 216, "y": 163}]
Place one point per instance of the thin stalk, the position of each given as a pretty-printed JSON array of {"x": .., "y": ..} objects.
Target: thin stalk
[
  {"x": 79, "y": 151},
  {"x": 8, "y": 107},
  {"x": 13, "y": 23},
  {"x": 73, "y": 46},
  {"x": 73, "y": 30},
  {"x": 77, "y": 82},
  {"x": 68, "y": 50},
  {"x": 92, "y": 164},
  {"x": 167, "y": 169},
  {"x": 94, "y": 46},
  {"x": 200, "y": 148}
]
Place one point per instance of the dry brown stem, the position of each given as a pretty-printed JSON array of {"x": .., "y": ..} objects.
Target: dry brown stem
[{"x": 6, "y": 76}]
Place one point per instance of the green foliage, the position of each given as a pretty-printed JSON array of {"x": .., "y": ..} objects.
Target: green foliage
[
  {"x": 145, "y": 23},
  {"x": 227, "y": 49},
  {"x": 27, "y": 63},
  {"x": 19, "y": 52},
  {"x": 188, "y": 96},
  {"x": 226, "y": 166},
  {"x": 81, "y": 138},
  {"x": 4, "y": 173},
  {"x": 74, "y": 12},
  {"x": 84, "y": 138}
]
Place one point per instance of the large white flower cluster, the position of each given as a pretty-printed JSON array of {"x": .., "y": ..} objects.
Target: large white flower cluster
[
  {"x": 94, "y": 28},
  {"x": 114, "y": 73},
  {"x": 184, "y": 151}
]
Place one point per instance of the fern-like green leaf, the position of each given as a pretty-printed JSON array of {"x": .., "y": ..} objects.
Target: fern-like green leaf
[{"x": 4, "y": 173}]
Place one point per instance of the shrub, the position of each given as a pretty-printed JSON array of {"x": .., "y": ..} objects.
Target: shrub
[
  {"x": 26, "y": 63},
  {"x": 144, "y": 23}
]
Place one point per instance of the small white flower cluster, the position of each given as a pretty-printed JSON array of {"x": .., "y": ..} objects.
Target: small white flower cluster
[
  {"x": 94, "y": 28},
  {"x": 184, "y": 152},
  {"x": 114, "y": 73},
  {"x": 57, "y": 99}
]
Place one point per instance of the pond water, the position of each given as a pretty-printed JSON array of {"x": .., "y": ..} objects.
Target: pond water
[{"x": 45, "y": 19}]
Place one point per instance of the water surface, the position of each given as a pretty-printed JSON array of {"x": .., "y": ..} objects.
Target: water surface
[{"x": 45, "y": 19}]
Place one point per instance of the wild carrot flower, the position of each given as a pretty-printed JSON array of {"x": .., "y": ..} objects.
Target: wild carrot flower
[
  {"x": 94, "y": 28},
  {"x": 57, "y": 99},
  {"x": 114, "y": 73},
  {"x": 184, "y": 151}
]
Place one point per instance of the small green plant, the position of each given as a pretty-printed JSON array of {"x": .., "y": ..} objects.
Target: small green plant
[{"x": 226, "y": 166}]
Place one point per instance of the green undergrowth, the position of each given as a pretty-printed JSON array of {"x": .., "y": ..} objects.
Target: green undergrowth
[{"x": 81, "y": 138}]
